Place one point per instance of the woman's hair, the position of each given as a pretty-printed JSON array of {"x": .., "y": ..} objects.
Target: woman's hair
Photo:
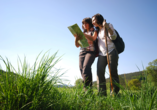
[
  {"x": 99, "y": 19},
  {"x": 89, "y": 21}
]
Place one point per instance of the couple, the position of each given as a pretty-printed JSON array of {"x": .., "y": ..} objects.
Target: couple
[{"x": 87, "y": 55}]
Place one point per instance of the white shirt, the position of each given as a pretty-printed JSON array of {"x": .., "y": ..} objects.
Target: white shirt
[{"x": 101, "y": 41}]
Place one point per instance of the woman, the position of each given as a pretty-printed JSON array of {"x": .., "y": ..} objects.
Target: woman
[
  {"x": 99, "y": 22},
  {"x": 87, "y": 55}
]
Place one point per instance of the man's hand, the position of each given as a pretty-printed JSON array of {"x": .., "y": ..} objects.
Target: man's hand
[{"x": 105, "y": 24}]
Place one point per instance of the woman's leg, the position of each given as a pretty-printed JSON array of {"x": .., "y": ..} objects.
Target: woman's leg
[
  {"x": 81, "y": 60},
  {"x": 101, "y": 81},
  {"x": 86, "y": 71}
]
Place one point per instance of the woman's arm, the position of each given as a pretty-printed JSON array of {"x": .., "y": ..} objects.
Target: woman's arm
[
  {"x": 92, "y": 38},
  {"x": 76, "y": 42}
]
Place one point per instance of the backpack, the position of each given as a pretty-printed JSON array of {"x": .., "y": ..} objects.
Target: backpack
[{"x": 119, "y": 43}]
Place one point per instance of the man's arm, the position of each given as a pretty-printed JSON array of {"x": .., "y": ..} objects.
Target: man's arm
[{"x": 111, "y": 32}]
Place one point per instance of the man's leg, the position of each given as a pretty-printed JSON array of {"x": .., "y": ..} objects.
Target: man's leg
[{"x": 113, "y": 57}]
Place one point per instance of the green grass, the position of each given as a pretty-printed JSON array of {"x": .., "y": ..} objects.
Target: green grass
[{"x": 33, "y": 89}]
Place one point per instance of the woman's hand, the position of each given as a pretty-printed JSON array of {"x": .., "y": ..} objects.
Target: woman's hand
[
  {"x": 92, "y": 29},
  {"x": 77, "y": 37}
]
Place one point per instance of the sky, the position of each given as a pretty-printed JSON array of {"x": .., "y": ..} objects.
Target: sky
[{"x": 28, "y": 27}]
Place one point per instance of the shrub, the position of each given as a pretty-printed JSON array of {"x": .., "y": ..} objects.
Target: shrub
[
  {"x": 152, "y": 72},
  {"x": 79, "y": 83},
  {"x": 134, "y": 84}
]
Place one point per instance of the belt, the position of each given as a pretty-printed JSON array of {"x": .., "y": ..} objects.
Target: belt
[{"x": 85, "y": 49}]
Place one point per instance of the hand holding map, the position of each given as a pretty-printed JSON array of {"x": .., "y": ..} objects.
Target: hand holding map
[{"x": 75, "y": 30}]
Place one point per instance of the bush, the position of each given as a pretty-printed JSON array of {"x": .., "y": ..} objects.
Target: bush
[
  {"x": 134, "y": 84},
  {"x": 152, "y": 72},
  {"x": 79, "y": 83},
  {"x": 95, "y": 84}
]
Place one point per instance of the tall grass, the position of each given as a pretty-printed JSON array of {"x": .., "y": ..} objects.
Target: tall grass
[{"x": 32, "y": 88}]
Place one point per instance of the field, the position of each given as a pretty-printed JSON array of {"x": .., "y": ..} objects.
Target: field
[{"x": 33, "y": 88}]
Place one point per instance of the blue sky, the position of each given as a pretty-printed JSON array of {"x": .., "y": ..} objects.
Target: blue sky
[{"x": 28, "y": 27}]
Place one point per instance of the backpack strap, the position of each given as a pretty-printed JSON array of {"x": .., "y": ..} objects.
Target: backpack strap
[{"x": 115, "y": 39}]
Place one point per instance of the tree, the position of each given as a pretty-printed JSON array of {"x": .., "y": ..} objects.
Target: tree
[
  {"x": 79, "y": 82},
  {"x": 134, "y": 84},
  {"x": 152, "y": 72}
]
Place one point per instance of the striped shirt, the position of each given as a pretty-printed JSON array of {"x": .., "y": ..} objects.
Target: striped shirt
[{"x": 91, "y": 45}]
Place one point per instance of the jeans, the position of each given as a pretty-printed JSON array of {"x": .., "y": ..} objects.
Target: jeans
[
  {"x": 101, "y": 66},
  {"x": 86, "y": 60}
]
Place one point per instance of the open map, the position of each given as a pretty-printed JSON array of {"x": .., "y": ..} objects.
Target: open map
[{"x": 75, "y": 29}]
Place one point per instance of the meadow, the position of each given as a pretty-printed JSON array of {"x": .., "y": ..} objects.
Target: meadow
[{"x": 33, "y": 88}]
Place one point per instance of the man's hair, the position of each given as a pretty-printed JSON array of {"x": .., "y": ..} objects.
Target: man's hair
[
  {"x": 89, "y": 21},
  {"x": 99, "y": 18}
]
